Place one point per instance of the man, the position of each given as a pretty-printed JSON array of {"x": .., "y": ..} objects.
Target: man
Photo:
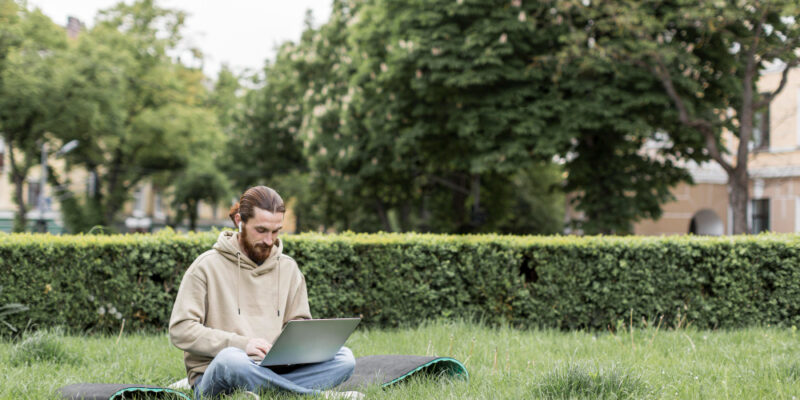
[{"x": 233, "y": 302}]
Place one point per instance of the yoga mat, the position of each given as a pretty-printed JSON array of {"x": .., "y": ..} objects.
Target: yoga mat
[
  {"x": 117, "y": 391},
  {"x": 387, "y": 370}
]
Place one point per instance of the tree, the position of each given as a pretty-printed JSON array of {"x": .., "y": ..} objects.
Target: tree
[
  {"x": 703, "y": 53},
  {"x": 620, "y": 162},
  {"x": 266, "y": 147},
  {"x": 264, "y": 143},
  {"x": 424, "y": 115},
  {"x": 200, "y": 181},
  {"x": 442, "y": 99},
  {"x": 29, "y": 42},
  {"x": 137, "y": 112}
]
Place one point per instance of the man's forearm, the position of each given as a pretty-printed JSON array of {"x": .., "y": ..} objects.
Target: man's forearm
[{"x": 193, "y": 337}]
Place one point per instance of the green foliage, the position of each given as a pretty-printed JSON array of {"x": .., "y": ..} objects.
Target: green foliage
[
  {"x": 29, "y": 46},
  {"x": 707, "y": 57},
  {"x": 92, "y": 283},
  {"x": 263, "y": 142},
  {"x": 345, "y": 108},
  {"x": 201, "y": 181},
  {"x": 429, "y": 115},
  {"x": 531, "y": 201},
  {"x": 627, "y": 126},
  {"x": 42, "y": 346},
  {"x": 137, "y": 113}
]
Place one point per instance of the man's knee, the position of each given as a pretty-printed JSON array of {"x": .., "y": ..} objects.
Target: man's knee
[{"x": 345, "y": 358}]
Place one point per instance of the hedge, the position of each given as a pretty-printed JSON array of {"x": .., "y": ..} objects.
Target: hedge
[{"x": 90, "y": 283}]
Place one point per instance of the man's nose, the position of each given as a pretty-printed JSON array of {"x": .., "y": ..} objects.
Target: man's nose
[{"x": 268, "y": 239}]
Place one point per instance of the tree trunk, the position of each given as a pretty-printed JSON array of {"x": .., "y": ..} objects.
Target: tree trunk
[
  {"x": 738, "y": 178},
  {"x": 405, "y": 220},
  {"x": 459, "y": 204},
  {"x": 738, "y": 198},
  {"x": 117, "y": 191},
  {"x": 379, "y": 207},
  {"x": 20, "y": 219},
  {"x": 298, "y": 220},
  {"x": 424, "y": 215},
  {"x": 192, "y": 206},
  {"x": 18, "y": 178}
]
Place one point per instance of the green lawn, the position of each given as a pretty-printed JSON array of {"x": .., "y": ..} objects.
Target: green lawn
[{"x": 756, "y": 363}]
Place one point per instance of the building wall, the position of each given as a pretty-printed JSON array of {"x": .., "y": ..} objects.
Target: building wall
[
  {"x": 784, "y": 110},
  {"x": 784, "y": 199},
  {"x": 774, "y": 172},
  {"x": 689, "y": 200}
]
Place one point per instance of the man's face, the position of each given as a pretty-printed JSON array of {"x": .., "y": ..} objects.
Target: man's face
[{"x": 259, "y": 234}]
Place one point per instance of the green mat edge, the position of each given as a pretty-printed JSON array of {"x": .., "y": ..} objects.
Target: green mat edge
[
  {"x": 143, "y": 389},
  {"x": 459, "y": 370}
]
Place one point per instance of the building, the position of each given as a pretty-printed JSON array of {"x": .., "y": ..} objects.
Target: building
[
  {"x": 774, "y": 169},
  {"x": 148, "y": 210}
]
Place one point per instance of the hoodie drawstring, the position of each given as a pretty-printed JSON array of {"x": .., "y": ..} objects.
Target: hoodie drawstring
[
  {"x": 238, "y": 278},
  {"x": 278, "y": 293}
]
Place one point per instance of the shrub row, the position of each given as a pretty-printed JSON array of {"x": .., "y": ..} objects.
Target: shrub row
[{"x": 92, "y": 282}]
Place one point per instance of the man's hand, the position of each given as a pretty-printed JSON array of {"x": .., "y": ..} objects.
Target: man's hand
[{"x": 257, "y": 347}]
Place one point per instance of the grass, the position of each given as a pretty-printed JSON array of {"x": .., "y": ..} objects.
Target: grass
[{"x": 503, "y": 363}]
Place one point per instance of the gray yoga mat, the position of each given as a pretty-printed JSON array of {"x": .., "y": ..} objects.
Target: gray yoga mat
[
  {"x": 387, "y": 370},
  {"x": 117, "y": 391}
]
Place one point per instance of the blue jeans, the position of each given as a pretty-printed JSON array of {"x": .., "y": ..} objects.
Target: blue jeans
[{"x": 232, "y": 369}]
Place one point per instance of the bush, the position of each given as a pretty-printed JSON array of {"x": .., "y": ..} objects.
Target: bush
[
  {"x": 576, "y": 381},
  {"x": 41, "y": 346},
  {"x": 93, "y": 282}
]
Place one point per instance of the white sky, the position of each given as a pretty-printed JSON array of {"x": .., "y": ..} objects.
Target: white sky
[{"x": 240, "y": 33}]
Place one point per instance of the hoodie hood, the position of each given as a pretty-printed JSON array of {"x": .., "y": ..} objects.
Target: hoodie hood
[{"x": 228, "y": 245}]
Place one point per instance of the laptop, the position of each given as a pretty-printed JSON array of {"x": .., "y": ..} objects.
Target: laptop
[{"x": 309, "y": 341}]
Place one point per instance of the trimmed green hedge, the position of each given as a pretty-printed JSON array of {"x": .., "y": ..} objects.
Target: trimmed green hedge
[{"x": 91, "y": 282}]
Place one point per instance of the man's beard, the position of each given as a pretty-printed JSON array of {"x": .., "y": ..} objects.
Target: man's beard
[{"x": 258, "y": 253}]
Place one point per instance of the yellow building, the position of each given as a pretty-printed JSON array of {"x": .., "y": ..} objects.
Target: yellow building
[
  {"x": 148, "y": 210},
  {"x": 773, "y": 166},
  {"x": 49, "y": 214}
]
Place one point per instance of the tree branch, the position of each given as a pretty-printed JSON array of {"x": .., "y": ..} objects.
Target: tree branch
[
  {"x": 451, "y": 185},
  {"x": 705, "y": 127},
  {"x": 747, "y": 111},
  {"x": 784, "y": 78}
]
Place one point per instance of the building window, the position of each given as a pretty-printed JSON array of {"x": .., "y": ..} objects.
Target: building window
[
  {"x": 158, "y": 207},
  {"x": 34, "y": 190},
  {"x": 760, "y": 215},
  {"x": 138, "y": 203},
  {"x": 761, "y": 130},
  {"x": 2, "y": 154},
  {"x": 91, "y": 184}
]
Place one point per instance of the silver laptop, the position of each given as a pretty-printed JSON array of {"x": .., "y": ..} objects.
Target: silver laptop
[{"x": 310, "y": 341}]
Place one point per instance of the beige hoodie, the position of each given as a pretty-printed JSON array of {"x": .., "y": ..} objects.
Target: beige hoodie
[{"x": 225, "y": 300}]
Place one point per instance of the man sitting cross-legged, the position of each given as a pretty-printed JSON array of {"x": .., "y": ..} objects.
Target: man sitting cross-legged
[{"x": 233, "y": 302}]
